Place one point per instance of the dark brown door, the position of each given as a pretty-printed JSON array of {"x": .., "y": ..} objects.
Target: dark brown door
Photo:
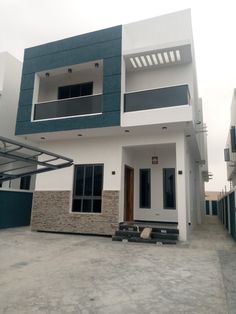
[{"x": 129, "y": 194}]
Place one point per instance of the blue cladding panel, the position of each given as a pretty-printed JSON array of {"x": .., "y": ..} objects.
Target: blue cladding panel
[
  {"x": 15, "y": 209},
  {"x": 24, "y": 113},
  {"x": 74, "y": 56},
  {"x": 104, "y": 44},
  {"x": 99, "y": 121},
  {"x": 27, "y": 81},
  {"x": 74, "y": 42}
]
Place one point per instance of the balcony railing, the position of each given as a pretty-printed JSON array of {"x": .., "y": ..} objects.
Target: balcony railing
[
  {"x": 68, "y": 107},
  {"x": 157, "y": 98}
]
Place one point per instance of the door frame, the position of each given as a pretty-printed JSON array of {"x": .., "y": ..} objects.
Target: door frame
[{"x": 128, "y": 193}]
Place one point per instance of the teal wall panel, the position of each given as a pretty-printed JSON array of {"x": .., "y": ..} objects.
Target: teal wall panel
[
  {"x": 27, "y": 81},
  {"x": 105, "y": 45},
  {"x": 24, "y": 114},
  {"x": 112, "y": 66},
  {"x": 74, "y": 42},
  {"x": 15, "y": 209}
]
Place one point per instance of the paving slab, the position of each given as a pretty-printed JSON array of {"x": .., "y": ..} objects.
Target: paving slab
[{"x": 57, "y": 273}]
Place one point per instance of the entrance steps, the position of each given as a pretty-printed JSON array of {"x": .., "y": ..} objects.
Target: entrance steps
[{"x": 162, "y": 233}]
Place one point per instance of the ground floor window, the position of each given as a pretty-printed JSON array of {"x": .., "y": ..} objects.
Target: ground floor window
[
  {"x": 88, "y": 184},
  {"x": 169, "y": 188},
  {"x": 207, "y": 208},
  {"x": 145, "y": 188},
  {"x": 214, "y": 208},
  {"x": 25, "y": 183}
]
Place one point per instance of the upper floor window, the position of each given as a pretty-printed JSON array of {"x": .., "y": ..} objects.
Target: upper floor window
[{"x": 75, "y": 90}]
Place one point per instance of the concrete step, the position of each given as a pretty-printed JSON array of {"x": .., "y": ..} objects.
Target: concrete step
[
  {"x": 126, "y": 234},
  {"x": 134, "y": 227},
  {"x": 139, "y": 240}
]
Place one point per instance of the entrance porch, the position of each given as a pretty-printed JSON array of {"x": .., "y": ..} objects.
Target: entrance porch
[{"x": 154, "y": 185}]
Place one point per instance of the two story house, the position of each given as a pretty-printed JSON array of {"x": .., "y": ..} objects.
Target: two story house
[{"x": 122, "y": 103}]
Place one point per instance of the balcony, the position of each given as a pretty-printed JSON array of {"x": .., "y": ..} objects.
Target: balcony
[
  {"x": 157, "y": 98},
  {"x": 69, "y": 107}
]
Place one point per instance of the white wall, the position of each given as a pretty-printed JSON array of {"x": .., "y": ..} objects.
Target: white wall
[
  {"x": 157, "y": 31},
  {"x": 48, "y": 86},
  {"x": 142, "y": 160},
  {"x": 160, "y": 77},
  {"x": 231, "y": 166},
  {"x": 10, "y": 77},
  {"x": 83, "y": 151}
]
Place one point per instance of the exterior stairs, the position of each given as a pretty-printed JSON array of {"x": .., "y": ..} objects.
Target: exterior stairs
[{"x": 161, "y": 233}]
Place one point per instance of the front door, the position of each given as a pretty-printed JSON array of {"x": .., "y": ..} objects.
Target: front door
[{"x": 129, "y": 194}]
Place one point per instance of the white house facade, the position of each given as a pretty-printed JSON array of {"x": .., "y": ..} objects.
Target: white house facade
[{"x": 123, "y": 104}]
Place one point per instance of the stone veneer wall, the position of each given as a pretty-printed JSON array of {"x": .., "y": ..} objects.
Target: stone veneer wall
[{"x": 51, "y": 212}]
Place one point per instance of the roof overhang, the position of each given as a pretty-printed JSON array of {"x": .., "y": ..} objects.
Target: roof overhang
[
  {"x": 157, "y": 58},
  {"x": 19, "y": 160}
]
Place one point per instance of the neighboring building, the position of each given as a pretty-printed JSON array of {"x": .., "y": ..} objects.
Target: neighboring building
[
  {"x": 15, "y": 199},
  {"x": 10, "y": 80},
  {"x": 227, "y": 202},
  {"x": 211, "y": 199},
  {"x": 123, "y": 104}
]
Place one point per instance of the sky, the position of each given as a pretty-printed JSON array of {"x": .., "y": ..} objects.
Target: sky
[{"x": 27, "y": 23}]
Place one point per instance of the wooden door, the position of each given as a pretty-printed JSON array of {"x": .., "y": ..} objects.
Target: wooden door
[{"x": 129, "y": 194}]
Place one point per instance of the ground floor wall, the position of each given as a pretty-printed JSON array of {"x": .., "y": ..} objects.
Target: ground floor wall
[
  {"x": 52, "y": 212},
  {"x": 53, "y": 196},
  {"x": 227, "y": 212},
  {"x": 15, "y": 208}
]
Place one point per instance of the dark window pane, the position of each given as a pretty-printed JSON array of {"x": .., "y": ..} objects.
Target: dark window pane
[
  {"x": 97, "y": 188},
  {"x": 145, "y": 188},
  {"x": 75, "y": 90},
  {"x": 25, "y": 183},
  {"x": 86, "y": 89},
  {"x": 87, "y": 204},
  {"x": 233, "y": 139},
  {"x": 88, "y": 180},
  {"x": 157, "y": 98},
  {"x": 76, "y": 205},
  {"x": 79, "y": 180},
  {"x": 68, "y": 107},
  {"x": 169, "y": 188},
  {"x": 207, "y": 208},
  {"x": 214, "y": 207},
  {"x": 97, "y": 206},
  {"x": 64, "y": 92}
]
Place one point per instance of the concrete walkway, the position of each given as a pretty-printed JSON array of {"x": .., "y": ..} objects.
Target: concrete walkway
[{"x": 51, "y": 273}]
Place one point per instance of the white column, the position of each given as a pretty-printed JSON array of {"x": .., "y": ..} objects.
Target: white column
[{"x": 181, "y": 187}]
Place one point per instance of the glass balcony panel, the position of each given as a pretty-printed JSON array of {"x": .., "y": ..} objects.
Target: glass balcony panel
[
  {"x": 157, "y": 98},
  {"x": 68, "y": 107}
]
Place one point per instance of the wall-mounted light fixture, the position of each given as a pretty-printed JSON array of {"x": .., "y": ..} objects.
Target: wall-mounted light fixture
[
  {"x": 96, "y": 64},
  {"x": 47, "y": 74},
  {"x": 154, "y": 160}
]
